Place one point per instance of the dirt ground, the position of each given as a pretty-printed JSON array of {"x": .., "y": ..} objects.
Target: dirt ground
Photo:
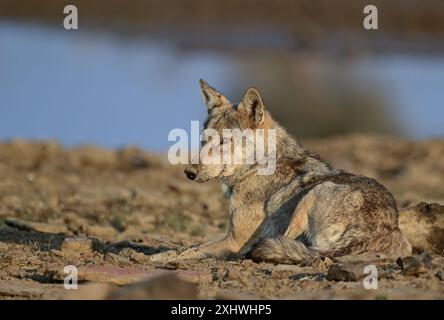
[{"x": 105, "y": 211}]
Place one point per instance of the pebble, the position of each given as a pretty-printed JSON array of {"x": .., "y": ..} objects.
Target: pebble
[
  {"x": 80, "y": 244},
  {"x": 345, "y": 272},
  {"x": 3, "y": 246},
  {"x": 415, "y": 265}
]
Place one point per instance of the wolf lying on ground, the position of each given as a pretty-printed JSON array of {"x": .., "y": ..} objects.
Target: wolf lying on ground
[{"x": 305, "y": 210}]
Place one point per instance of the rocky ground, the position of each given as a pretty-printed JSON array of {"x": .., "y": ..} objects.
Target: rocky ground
[{"x": 106, "y": 211}]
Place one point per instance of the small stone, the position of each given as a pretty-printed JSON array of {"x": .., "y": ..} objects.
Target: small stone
[
  {"x": 67, "y": 254},
  {"x": 345, "y": 272},
  {"x": 163, "y": 257},
  {"x": 308, "y": 276},
  {"x": 288, "y": 268},
  {"x": 30, "y": 177},
  {"x": 232, "y": 274},
  {"x": 3, "y": 246},
  {"x": 139, "y": 257},
  {"x": 116, "y": 259},
  {"x": 247, "y": 262},
  {"x": 80, "y": 244},
  {"x": 415, "y": 265},
  {"x": 133, "y": 255}
]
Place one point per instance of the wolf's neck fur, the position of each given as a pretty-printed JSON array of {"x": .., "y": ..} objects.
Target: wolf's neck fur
[
  {"x": 289, "y": 153},
  {"x": 287, "y": 147}
]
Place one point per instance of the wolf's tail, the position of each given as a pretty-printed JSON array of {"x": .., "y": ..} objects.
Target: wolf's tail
[{"x": 284, "y": 250}]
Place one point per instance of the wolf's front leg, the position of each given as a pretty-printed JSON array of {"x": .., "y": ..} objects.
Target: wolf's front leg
[
  {"x": 217, "y": 248},
  {"x": 247, "y": 226}
]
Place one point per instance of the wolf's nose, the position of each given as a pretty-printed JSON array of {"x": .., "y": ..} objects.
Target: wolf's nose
[{"x": 191, "y": 173}]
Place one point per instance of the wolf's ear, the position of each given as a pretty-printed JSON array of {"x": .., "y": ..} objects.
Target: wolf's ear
[
  {"x": 253, "y": 106},
  {"x": 211, "y": 96}
]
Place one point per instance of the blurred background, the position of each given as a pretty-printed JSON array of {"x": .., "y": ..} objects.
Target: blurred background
[
  {"x": 130, "y": 73},
  {"x": 369, "y": 102}
]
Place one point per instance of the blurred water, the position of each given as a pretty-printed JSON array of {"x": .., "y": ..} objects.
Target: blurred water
[
  {"x": 417, "y": 88},
  {"x": 101, "y": 89}
]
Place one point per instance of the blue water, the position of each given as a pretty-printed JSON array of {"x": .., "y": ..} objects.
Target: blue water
[
  {"x": 417, "y": 88},
  {"x": 101, "y": 89}
]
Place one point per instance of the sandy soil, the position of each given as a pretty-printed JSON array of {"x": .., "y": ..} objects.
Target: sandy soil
[{"x": 106, "y": 211}]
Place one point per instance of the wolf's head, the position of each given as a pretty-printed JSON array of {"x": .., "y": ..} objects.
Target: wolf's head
[{"x": 232, "y": 135}]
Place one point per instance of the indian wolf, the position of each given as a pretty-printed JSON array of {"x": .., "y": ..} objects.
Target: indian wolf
[{"x": 304, "y": 210}]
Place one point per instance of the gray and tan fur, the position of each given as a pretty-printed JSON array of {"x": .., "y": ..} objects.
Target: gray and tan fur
[{"x": 304, "y": 210}]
